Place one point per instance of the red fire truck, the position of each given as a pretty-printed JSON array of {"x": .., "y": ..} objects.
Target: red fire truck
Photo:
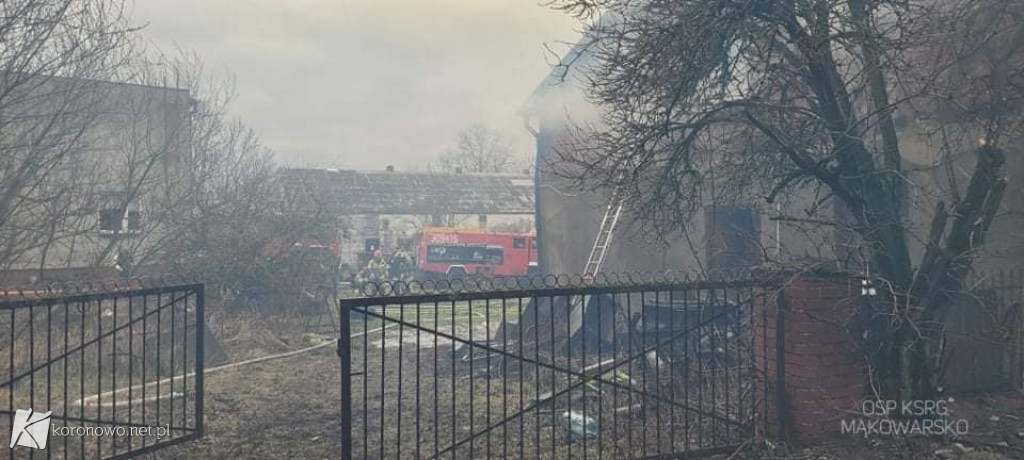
[{"x": 453, "y": 253}]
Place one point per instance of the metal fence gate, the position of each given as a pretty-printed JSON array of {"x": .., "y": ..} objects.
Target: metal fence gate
[
  {"x": 120, "y": 371},
  {"x": 569, "y": 369}
]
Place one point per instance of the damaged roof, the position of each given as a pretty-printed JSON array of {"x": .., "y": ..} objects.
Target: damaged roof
[{"x": 347, "y": 192}]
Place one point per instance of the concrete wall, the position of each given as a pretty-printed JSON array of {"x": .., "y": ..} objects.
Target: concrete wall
[
  {"x": 132, "y": 137},
  {"x": 571, "y": 219},
  {"x": 568, "y": 222}
]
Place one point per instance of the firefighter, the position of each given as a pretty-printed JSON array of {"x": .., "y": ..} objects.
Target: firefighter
[
  {"x": 402, "y": 269},
  {"x": 376, "y": 269},
  {"x": 401, "y": 265}
]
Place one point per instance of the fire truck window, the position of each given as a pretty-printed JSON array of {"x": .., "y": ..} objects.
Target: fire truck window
[
  {"x": 519, "y": 243},
  {"x": 437, "y": 253},
  {"x": 495, "y": 255},
  {"x": 441, "y": 253},
  {"x": 444, "y": 253}
]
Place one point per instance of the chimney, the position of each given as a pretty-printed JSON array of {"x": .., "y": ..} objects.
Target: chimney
[{"x": 390, "y": 168}]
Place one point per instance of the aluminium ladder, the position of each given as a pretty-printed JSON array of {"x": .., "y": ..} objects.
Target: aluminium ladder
[
  {"x": 604, "y": 235},
  {"x": 597, "y": 255}
]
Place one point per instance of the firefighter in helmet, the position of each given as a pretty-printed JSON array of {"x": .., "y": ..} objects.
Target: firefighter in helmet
[
  {"x": 376, "y": 269},
  {"x": 402, "y": 269}
]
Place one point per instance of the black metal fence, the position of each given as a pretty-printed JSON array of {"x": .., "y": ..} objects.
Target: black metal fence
[
  {"x": 984, "y": 331},
  {"x": 571, "y": 369},
  {"x": 121, "y": 372}
]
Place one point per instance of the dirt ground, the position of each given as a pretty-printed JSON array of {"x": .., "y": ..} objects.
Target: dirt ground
[
  {"x": 284, "y": 408},
  {"x": 289, "y": 408}
]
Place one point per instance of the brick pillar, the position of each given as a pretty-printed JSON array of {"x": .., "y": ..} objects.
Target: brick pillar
[{"x": 824, "y": 377}]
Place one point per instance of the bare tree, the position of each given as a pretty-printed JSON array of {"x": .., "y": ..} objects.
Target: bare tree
[
  {"x": 54, "y": 53},
  {"x": 748, "y": 101},
  {"x": 221, "y": 213},
  {"x": 111, "y": 151},
  {"x": 479, "y": 149}
]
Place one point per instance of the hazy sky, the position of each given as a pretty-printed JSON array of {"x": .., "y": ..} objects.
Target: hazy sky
[{"x": 361, "y": 84}]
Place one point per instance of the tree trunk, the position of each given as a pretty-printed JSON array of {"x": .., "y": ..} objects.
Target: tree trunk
[{"x": 942, "y": 274}]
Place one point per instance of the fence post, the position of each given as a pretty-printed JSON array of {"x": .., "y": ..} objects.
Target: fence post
[
  {"x": 782, "y": 401},
  {"x": 200, "y": 356},
  {"x": 345, "y": 355}
]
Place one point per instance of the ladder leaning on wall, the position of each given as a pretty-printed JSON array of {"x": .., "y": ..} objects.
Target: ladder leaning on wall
[
  {"x": 597, "y": 255},
  {"x": 604, "y": 234}
]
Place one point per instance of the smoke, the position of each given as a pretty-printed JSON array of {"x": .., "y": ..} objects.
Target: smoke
[{"x": 359, "y": 84}]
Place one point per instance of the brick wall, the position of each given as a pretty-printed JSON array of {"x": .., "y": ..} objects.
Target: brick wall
[{"x": 824, "y": 375}]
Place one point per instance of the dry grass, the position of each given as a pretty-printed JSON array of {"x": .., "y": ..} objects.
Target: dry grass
[
  {"x": 79, "y": 350},
  {"x": 290, "y": 409},
  {"x": 274, "y": 409}
]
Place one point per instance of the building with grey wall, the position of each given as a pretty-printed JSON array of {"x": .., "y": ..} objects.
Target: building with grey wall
[{"x": 115, "y": 152}]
